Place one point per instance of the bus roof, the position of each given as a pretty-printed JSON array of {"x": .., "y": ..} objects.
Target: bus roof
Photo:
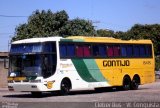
[
  {"x": 81, "y": 39},
  {"x": 36, "y": 40},
  {"x": 103, "y": 40}
]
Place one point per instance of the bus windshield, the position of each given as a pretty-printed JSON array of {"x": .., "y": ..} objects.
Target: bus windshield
[
  {"x": 25, "y": 65},
  {"x": 33, "y": 59}
]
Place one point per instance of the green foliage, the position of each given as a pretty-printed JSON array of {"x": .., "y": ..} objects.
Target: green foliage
[
  {"x": 157, "y": 63},
  {"x": 78, "y": 27},
  {"x": 41, "y": 24},
  {"x": 46, "y": 23},
  {"x": 105, "y": 33}
]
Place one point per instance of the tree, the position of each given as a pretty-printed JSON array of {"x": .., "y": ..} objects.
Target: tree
[
  {"x": 46, "y": 23},
  {"x": 78, "y": 27},
  {"x": 41, "y": 24},
  {"x": 105, "y": 33}
]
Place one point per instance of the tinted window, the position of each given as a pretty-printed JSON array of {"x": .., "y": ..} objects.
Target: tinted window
[
  {"x": 99, "y": 50},
  {"x": 148, "y": 50},
  {"x": 83, "y": 51},
  {"x": 136, "y": 51},
  {"x": 129, "y": 51},
  {"x": 102, "y": 50},
  {"x": 79, "y": 51},
  {"x": 70, "y": 50},
  {"x": 95, "y": 49},
  {"x": 142, "y": 50},
  {"x": 110, "y": 51},
  {"x": 63, "y": 50},
  {"x": 116, "y": 50},
  {"x": 123, "y": 51},
  {"x": 49, "y": 65},
  {"x": 49, "y": 47},
  {"x": 26, "y": 48},
  {"x": 87, "y": 52}
]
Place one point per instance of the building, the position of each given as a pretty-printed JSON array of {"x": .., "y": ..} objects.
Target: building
[{"x": 3, "y": 71}]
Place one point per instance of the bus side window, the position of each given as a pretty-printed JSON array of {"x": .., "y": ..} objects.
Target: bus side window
[
  {"x": 83, "y": 50},
  {"x": 99, "y": 50},
  {"x": 95, "y": 50},
  {"x": 49, "y": 65},
  {"x": 129, "y": 51},
  {"x": 87, "y": 51},
  {"x": 63, "y": 50},
  {"x": 102, "y": 50},
  {"x": 70, "y": 50},
  {"x": 116, "y": 50},
  {"x": 136, "y": 51},
  {"x": 142, "y": 51},
  {"x": 79, "y": 51},
  {"x": 110, "y": 51},
  {"x": 148, "y": 50},
  {"x": 123, "y": 51}
]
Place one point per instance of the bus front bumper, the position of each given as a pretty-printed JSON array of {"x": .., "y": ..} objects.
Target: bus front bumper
[{"x": 29, "y": 87}]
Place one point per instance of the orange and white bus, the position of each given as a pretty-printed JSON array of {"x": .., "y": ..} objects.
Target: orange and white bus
[{"x": 77, "y": 62}]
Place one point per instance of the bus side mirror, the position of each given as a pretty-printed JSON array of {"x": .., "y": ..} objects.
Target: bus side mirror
[{"x": 6, "y": 63}]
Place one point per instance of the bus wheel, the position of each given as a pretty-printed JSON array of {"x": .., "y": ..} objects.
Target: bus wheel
[
  {"x": 65, "y": 87},
  {"x": 135, "y": 83},
  {"x": 126, "y": 83}
]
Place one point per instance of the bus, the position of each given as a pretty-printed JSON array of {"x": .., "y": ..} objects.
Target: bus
[{"x": 51, "y": 64}]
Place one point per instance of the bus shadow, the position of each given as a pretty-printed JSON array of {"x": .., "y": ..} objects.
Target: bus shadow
[
  {"x": 96, "y": 91},
  {"x": 50, "y": 94},
  {"x": 27, "y": 95},
  {"x": 80, "y": 92}
]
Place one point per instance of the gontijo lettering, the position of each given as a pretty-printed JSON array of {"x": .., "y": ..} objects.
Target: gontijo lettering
[{"x": 110, "y": 63}]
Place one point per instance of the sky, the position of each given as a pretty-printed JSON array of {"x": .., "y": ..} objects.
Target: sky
[{"x": 116, "y": 15}]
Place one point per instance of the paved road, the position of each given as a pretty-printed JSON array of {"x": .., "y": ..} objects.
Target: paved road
[{"x": 145, "y": 93}]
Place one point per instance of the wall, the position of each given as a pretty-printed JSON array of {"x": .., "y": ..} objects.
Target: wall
[
  {"x": 3, "y": 74},
  {"x": 3, "y": 71}
]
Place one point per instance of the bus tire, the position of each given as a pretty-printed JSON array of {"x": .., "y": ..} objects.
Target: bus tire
[
  {"x": 135, "y": 83},
  {"x": 65, "y": 87},
  {"x": 126, "y": 83}
]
